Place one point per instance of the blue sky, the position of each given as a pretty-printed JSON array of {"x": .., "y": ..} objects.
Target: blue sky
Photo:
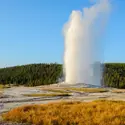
[{"x": 31, "y": 30}]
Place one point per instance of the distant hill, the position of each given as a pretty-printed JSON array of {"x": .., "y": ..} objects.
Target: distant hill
[
  {"x": 44, "y": 74},
  {"x": 31, "y": 75}
]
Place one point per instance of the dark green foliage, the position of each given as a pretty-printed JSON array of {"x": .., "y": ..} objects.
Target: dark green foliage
[
  {"x": 114, "y": 75},
  {"x": 44, "y": 74},
  {"x": 31, "y": 75}
]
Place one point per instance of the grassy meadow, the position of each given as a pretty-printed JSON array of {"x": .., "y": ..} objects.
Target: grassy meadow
[
  {"x": 46, "y": 94},
  {"x": 55, "y": 90},
  {"x": 99, "y": 112},
  {"x": 4, "y": 86},
  {"x": 118, "y": 91},
  {"x": 89, "y": 90}
]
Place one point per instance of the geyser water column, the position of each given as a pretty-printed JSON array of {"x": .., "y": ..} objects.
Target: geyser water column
[{"x": 82, "y": 47}]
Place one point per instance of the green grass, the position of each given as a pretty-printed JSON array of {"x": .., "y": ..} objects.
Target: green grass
[
  {"x": 89, "y": 90},
  {"x": 55, "y": 90},
  {"x": 46, "y": 95}
]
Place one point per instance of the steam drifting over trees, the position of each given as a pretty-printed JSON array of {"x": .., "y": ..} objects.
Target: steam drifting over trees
[{"x": 45, "y": 74}]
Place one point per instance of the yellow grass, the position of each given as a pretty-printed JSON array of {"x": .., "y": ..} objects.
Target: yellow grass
[
  {"x": 1, "y": 86},
  {"x": 4, "y": 86},
  {"x": 1, "y": 93},
  {"x": 1, "y": 90},
  {"x": 47, "y": 95},
  {"x": 89, "y": 90},
  {"x": 118, "y": 91},
  {"x": 70, "y": 113}
]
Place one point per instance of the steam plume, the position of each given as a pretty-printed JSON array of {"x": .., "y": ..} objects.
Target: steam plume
[{"x": 82, "y": 46}]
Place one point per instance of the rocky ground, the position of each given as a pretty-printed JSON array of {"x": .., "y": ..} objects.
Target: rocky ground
[{"x": 14, "y": 96}]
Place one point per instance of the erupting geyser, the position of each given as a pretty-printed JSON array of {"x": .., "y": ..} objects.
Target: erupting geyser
[{"x": 83, "y": 52}]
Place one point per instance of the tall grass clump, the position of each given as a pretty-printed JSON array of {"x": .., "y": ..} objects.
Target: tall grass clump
[
  {"x": 46, "y": 94},
  {"x": 70, "y": 113}
]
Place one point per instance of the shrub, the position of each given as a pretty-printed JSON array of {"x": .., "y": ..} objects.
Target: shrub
[{"x": 70, "y": 113}]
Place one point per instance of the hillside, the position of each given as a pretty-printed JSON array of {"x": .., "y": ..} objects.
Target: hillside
[
  {"x": 31, "y": 75},
  {"x": 44, "y": 74}
]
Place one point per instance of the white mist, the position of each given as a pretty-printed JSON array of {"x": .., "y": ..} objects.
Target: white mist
[{"x": 82, "y": 54}]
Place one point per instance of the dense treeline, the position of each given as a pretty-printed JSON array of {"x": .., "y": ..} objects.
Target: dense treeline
[
  {"x": 31, "y": 75},
  {"x": 43, "y": 74},
  {"x": 114, "y": 75}
]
